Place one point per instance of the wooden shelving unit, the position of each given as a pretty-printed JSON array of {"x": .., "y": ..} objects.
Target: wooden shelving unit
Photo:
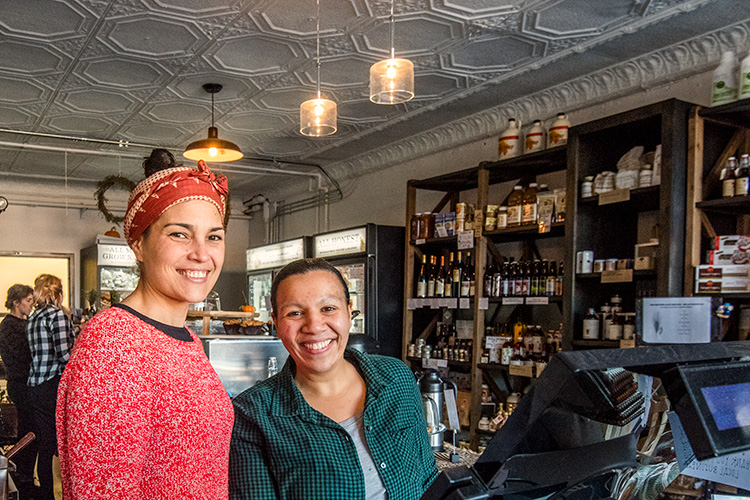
[
  {"x": 452, "y": 185},
  {"x": 612, "y": 230},
  {"x": 715, "y": 134}
]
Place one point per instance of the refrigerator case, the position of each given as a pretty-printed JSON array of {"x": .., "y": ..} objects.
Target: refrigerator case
[
  {"x": 371, "y": 260},
  {"x": 262, "y": 265},
  {"x": 108, "y": 266}
]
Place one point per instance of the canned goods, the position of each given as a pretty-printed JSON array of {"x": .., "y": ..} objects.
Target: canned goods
[
  {"x": 610, "y": 265},
  {"x": 599, "y": 265}
]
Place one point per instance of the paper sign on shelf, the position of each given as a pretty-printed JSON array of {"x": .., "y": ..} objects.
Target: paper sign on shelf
[
  {"x": 621, "y": 276},
  {"x": 732, "y": 469},
  {"x": 444, "y": 302},
  {"x": 537, "y": 301},
  {"x": 420, "y": 241},
  {"x": 615, "y": 196},
  {"x": 463, "y": 303},
  {"x": 484, "y": 303},
  {"x": 466, "y": 240},
  {"x": 411, "y": 304},
  {"x": 512, "y": 301},
  {"x": 676, "y": 320},
  {"x": 434, "y": 303},
  {"x": 434, "y": 363}
]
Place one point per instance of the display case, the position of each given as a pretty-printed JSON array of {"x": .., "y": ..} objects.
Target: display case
[{"x": 109, "y": 268}]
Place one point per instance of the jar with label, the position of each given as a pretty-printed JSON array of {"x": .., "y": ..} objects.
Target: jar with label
[
  {"x": 605, "y": 313},
  {"x": 515, "y": 201},
  {"x": 507, "y": 351},
  {"x": 534, "y": 140},
  {"x": 486, "y": 398},
  {"x": 591, "y": 325},
  {"x": 428, "y": 223},
  {"x": 614, "y": 330},
  {"x": 587, "y": 187},
  {"x": 502, "y": 217},
  {"x": 483, "y": 424},
  {"x": 616, "y": 304},
  {"x": 416, "y": 226},
  {"x": 509, "y": 143},
  {"x": 460, "y": 216},
  {"x": 511, "y": 403},
  {"x": 644, "y": 178},
  {"x": 490, "y": 218},
  {"x": 558, "y": 131}
]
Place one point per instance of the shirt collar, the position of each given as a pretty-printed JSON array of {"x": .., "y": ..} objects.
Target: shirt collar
[{"x": 288, "y": 400}]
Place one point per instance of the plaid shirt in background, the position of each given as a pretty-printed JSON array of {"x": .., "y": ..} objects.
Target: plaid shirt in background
[
  {"x": 51, "y": 336},
  {"x": 282, "y": 448}
]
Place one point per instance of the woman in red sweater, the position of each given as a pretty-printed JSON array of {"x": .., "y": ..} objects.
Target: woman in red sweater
[{"x": 141, "y": 413}]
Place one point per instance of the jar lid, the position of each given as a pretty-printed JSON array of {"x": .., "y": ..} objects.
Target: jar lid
[
  {"x": 588, "y": 178},
  {"x": 503, "y": 209}
]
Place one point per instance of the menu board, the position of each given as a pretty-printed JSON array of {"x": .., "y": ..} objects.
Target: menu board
[
  {"x": 275, "y": 255},
  {"x": 341, "y": 243}
]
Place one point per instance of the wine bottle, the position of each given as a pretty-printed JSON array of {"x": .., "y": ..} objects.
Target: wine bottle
[
  {"x": 448, "y": 288},
  {"x": 440, "y": 278},
  {"x": 422, "y": 280},
  {"x": 465, "y": 276},
  {"x": 456, "y": 274},
  {"x": 431, "y": 277}
]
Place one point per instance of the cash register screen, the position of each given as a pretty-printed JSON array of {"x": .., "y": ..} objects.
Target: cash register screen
[{"x": 729, "y": 405}]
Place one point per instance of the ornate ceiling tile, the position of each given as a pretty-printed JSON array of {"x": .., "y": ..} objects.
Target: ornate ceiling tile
[
  {"x": 12, "y": 117},
  {"x": 19, "y": 91},
  {"x": 95, "y": 100},
  {"x": 419, "y": 34},
  {"x": 494, "y": 53},
  {"x": 197, "y": 8},
  {"x": 26, "y": 58},
  {"x": 255, "y": 122},
  {"x": 576, "y": 18},
  {"x": 41, "y": 19},
  {"x": 94, "y": 126},
  {"x": 151, "y": 133},
  {"x": 150, "y": 36},
  {"x": 180, "y": 112},
  {"x": 300, "y": 22},
  {"x": 123, "y": 73},
  {"x": 255, "y": 55}
]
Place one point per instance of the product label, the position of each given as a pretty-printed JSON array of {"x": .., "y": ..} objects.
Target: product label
[
  {"x": 741, "y": 186},
  {"x": 727, "y": 188},
  {"x": 431, "y": 288},
  {"x": 529, "y": 213},
  {"x": 534, "y": 141},
  {"x": 465, "y": 288},
  {"x": 591, "y": 329},
  {"x": 514, "y": 215},
  {"x": 558, "y": 135},
  {"x": 506, "y": 146},
  {"x": 439, "y": 288},
  {"x": 745, "y": 84},
  {"x": 421, "y": 289},
  {"x": 723, "y": 93}
]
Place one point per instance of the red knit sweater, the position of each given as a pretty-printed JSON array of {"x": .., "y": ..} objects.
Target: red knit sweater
[{"x": 141, "y": 415}]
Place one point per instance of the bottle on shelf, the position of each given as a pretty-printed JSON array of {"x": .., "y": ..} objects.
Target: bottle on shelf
[
  {"x": 472, "y": 275},
  {"x": 550, "y": 279},
  {"x": 526, "y": 280},
  {"x": 605, "y": 313},
  {"x": 440, "y": 278},
  {"x": 558, "y": 130},
  {"x": 416, "y": 226},
  {"x": 534, "y": 140},
  {"x": 742, "y": 177},
  {"x": 559, "y": 282},
  {"x": 507, "y": 351},
  {"x": 519, "y": 328},
  {"x": 509, "y": 143},
  {"x": 489, "y": 276},
  {"x": 724, "y": 88},
  {"x": 744, "y": 82},
  {"x": 728, "y": 178},
  {"x": 485, "y": 358},
  {"x": 529, "y": 205},
  {"x": 432, "y": 277},
  {"x": 512, "y": 278},
  {"x": 515, "y": 200},
  {"x": 456, "y": 275},
  {"x": 505, "y": 284},
  {"x": 448, "y": 287},
  {"x": 614, "y": 330},
  {"x": 465, "y": 277},
  {"x": 591, "y": 325},
  {"x": 422, "y": 279}
]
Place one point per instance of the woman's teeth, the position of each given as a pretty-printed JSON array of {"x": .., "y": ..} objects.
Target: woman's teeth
[
  {"x": 195, "y": 274},
  {"x": 318, "y": 345}
]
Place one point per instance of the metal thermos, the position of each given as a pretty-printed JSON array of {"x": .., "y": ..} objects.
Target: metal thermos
[{"x": 433, "y": 397}]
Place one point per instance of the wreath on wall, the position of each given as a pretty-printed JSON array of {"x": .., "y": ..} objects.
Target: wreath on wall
[{"x": 101, "y": 201}]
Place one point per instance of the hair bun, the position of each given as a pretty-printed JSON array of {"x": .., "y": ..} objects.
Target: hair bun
[{"x": 160, "y": 159}]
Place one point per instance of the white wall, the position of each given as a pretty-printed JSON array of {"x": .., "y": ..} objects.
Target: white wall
[
  {"x": 381, "y": 197},
  {"x": 43, "y": 229}
]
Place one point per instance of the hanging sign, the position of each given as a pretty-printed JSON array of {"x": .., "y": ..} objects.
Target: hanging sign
[
  {"x": 275, "y": 255},
  {"x": 341, "y": 243},
  {"x": 466, "y": 240},
  {"x": 115, "y": 256}
]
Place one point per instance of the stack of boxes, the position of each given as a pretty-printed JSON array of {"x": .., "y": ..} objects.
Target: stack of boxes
[{"x": 728, "y": 267}]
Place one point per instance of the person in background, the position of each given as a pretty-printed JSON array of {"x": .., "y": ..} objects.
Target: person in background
[
  {"x": 50, "y": 334},
  {"x": 141, "y": 412},
  {"x": 16, "y": 356},
  {"x": 334, "y": 423}
]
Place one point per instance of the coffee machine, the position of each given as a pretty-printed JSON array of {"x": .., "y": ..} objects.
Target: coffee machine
[{"x": 432, "y": 388}]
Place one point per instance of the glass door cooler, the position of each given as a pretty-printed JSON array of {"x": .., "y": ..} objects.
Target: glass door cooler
[
  {"x": 370, "y": 258},
  {"x": 108, "y": 272},
  {"x": 262, "y": 265}
]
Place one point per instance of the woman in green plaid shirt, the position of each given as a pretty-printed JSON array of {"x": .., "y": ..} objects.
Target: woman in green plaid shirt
[{"x": 334, "y": 423}]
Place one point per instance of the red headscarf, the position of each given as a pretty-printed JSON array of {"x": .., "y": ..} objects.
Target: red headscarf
[{"x": 166, "y": 188}]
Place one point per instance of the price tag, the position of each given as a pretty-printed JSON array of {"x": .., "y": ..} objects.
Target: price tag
[
  {"x": 512, "y": 301},
  {"x": 627, "y": 344},
  {"x": 615, "y": 196},
  {"x": 537, "y": 301},
  {"x": 434, "y": 303},
  {"x": 444, "y": 302},
  {"x": 466, "y": 240},
  {"x": 411, "y": 304},
  {"x": 621, "y": 276},
  {"x": 493, "y": 342},
  {"x": 484, "y": 303},
  {"x": 420, "y": 241},
  {"x": 463, "y": 303},
  {"x": 434, "y": 363},
  {"x": 442, "y": 232},
  {"x": 521, "y": 371},
  {"x": 452, "y": 303}
]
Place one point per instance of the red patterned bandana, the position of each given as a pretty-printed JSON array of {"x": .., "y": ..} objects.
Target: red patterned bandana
[{"x": 166, "y": 188}]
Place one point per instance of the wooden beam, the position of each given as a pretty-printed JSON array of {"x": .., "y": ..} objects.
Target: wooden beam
[
  {"x": 430, "y": 327},
  {"x": 707, "y": 226},
  {"x": 408, "y": 321},
  {"x": 694, "y": 195},
  {"x": 712, "y": 179},
  {"x": 442, "y": 203}
]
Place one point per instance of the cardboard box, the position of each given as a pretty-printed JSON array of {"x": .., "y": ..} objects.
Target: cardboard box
[
  {"x": 723, "y": 257},
  {"x": 722, "y": 279},
  {"x": 731, "y": 242}
]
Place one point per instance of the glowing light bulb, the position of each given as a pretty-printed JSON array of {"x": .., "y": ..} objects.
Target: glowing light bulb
[
  {"x": 212, "y": 152},
  {"x": 391, "y": 71},
  {"x": 318, "y": 110}
]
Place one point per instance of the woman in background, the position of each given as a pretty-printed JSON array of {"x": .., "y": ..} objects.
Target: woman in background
[
  {"x": 16, "y": 355},
  {"x": 141, "y": 412},
  {"x": 50, "y": 334}
]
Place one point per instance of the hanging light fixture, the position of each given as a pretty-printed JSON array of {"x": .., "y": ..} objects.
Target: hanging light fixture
[
  {"x": 392, "y": 80},
  {"x": 212, "y": 149},
  {"x": 317, "y": 117}
]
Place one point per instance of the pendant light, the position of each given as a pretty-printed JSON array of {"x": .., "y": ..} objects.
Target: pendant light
[
  {"x": 392, "y": 80},
  {"x": 317, "y": 117},
  {"x": 212, "y": 149}
]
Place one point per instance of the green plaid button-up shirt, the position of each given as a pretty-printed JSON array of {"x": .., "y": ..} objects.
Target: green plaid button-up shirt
[{"x": 284, "y": 449}]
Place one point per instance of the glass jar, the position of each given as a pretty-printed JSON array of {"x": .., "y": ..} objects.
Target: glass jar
[
  {"x": 416, "y": 226},
  {"x": 502, "y": 217},
  {"x": 587, "y": 187}
]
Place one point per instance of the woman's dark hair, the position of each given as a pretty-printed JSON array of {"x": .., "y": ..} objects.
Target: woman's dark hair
[
  {"x": 17, "y": 293},
  {"x": 160, "y": 159},
  {"x": 304, "y": 266}
]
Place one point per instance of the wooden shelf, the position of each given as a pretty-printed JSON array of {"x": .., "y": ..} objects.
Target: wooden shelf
[
  {"x": 640, "y": 274},
  {"x": 736, "y": 114},
  {"x": 735, "y": 205},
  {"x": 643, "y": 199},
  {"x": 524, "y": 233},
  {"x": 555, "y": 299},
  {"x": 727, "y": 296},
  {"x": 207, "y": 316},
  {"x": 600, "y": 344}
]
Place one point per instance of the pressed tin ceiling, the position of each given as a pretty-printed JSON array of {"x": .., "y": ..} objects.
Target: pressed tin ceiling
[{"x": 133, "y": 70}]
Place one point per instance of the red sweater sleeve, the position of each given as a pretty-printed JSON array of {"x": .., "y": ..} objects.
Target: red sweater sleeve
[{"x": 104, "y": 414}]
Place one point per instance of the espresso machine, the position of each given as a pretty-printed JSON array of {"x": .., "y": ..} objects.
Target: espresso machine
[{"x": 432, "y": 388}]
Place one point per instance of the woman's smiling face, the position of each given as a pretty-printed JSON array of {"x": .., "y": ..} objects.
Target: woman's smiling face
[
  {"x": 313, "y": 320},
  {"x": 182, "y": 252}
]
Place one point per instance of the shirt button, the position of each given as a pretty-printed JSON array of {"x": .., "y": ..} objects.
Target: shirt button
[{"x": 382, "y": 465}]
